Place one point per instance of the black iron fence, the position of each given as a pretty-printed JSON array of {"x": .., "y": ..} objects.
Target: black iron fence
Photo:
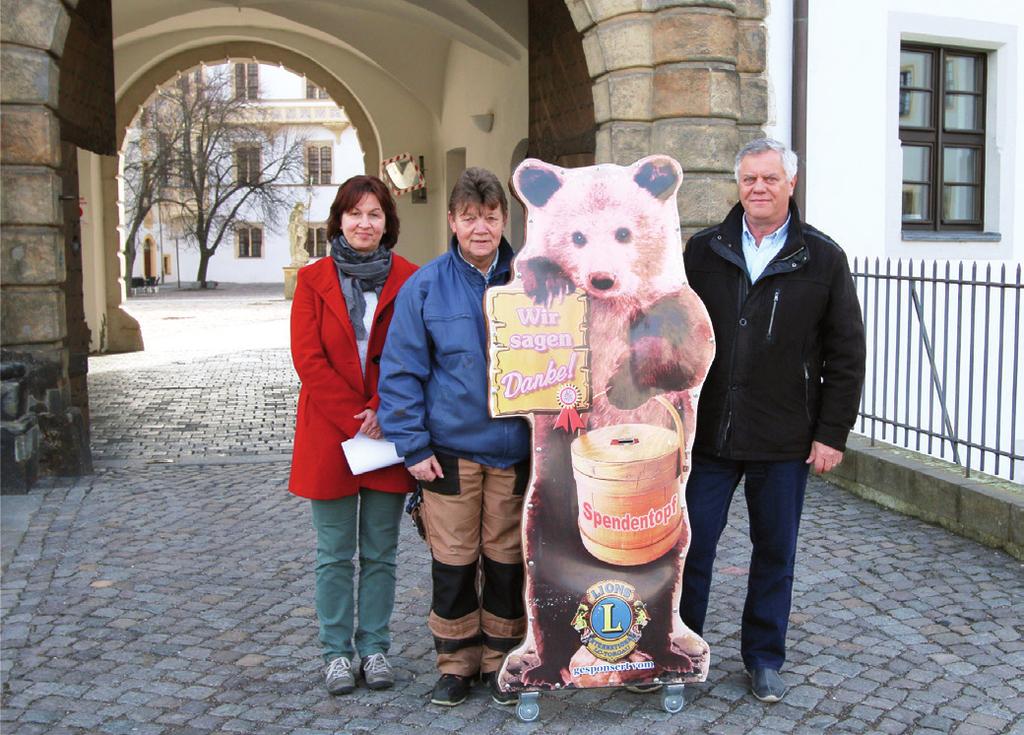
[{"x": 944, "y": 357}]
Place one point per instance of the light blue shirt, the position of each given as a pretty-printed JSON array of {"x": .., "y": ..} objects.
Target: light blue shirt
[{"x": 759, "y": 256}]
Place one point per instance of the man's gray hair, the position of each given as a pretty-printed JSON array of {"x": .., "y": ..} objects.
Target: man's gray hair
[{"x": 763, "y": 145}]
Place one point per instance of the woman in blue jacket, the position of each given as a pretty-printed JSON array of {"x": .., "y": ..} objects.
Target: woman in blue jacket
[{"x": 473, "y": 469}]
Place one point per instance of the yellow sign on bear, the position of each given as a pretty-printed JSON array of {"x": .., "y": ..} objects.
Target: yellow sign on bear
[{"x": 539, "y": 355}]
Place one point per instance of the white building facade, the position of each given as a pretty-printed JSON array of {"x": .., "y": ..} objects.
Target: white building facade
[{"x": 254, "y": 251}]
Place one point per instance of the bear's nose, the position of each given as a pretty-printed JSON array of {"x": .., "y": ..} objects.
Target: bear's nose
[{"x": 602, "y": 281}]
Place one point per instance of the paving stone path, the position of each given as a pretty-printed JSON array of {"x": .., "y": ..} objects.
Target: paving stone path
[{"x": 171, "y": 591}]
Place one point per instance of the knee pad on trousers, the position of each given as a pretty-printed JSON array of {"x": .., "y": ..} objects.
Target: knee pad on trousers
[
  {"x": 454, "y": 590},
  {"x": 503, "y": 589}
]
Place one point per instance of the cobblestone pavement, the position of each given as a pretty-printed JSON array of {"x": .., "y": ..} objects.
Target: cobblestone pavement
[{"x": 171, "y": 592}]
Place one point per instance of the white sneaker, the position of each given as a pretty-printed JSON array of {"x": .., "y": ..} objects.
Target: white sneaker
[
  {"x": 376, "y": 671},
  {"x": 338, "y": 676}
]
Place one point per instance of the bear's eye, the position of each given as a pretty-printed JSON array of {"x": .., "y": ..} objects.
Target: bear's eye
[
  {"x": 578, "y": 238},
  {"x": 623, "y": 234}
]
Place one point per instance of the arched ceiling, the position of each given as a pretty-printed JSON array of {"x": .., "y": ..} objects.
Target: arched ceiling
[{"x": 407, "y": 39}]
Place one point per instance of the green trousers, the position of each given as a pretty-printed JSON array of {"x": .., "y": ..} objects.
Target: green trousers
[{"x": 368, "y": 521}]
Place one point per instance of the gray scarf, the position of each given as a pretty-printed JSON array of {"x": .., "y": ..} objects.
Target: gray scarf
[{"x": 359, "y": 272}]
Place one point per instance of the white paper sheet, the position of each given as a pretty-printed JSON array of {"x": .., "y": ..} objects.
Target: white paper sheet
[{"x": 365, "y": 454}]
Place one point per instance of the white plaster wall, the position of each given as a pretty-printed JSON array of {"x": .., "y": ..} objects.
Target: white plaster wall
[
  {"x": 854, "y": 164},
  {"x": 477, "y": 84},
  {"x": 779, "y": 29}
]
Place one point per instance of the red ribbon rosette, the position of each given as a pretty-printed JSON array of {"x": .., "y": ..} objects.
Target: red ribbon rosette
[{"x": 569, "y": 419}]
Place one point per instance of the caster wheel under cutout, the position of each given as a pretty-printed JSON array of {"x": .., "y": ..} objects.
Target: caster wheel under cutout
[
  {"x": 672, "y": 698},
  {"x": 528, "y": 708}
]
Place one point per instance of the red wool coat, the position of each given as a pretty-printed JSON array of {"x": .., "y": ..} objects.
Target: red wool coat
[{"x": 333, "y": 385}]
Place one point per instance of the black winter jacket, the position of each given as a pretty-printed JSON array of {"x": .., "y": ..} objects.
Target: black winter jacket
[{"x": 790, "y": 352}]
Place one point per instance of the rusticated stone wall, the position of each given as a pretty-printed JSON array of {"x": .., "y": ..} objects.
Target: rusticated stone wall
[
  {"x": 680, "y": 77},
  {"x": 44, "y": 425}
]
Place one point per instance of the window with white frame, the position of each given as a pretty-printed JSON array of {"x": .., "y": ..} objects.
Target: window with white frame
[
  {"x": 318, "y": 164},
  {"x": 247, "y": 81},
  {"x": 316, "y": 240},
  {"x": 942, "y": 134},
  {"x": 250, "y": 241}
]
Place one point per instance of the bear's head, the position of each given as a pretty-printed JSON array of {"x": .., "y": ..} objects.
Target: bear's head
[{"x": 611, "y": 231}]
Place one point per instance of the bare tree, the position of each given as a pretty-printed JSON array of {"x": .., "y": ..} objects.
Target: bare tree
[
  {"x": 228, "y": 159},
  {"x": 145, "y": 159}
]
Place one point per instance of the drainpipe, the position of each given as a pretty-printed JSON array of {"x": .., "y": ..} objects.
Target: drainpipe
[{"x": 799, "y": 122}]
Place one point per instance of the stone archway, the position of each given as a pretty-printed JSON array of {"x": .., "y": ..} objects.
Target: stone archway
[{"x": 122, "y": 334}]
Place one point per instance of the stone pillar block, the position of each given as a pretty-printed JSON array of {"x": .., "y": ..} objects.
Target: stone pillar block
[
  {"x": 601, "y": 10},
  {"x": 757, "y": 9},
  {"x": 629, "y": 95},
  {"x": 625, "y": 42},
  {"x": 602, "y": 101},
  {"x": 41, "y": 24},
  {"x": 29, "y": 134},
  {"x": 747, "y": 133},
  {"x": 28, "y": 76},
  {"x": 626, "y": 142},
  {"x": 752, "y": 46},
  {"x": 688, "y": 90},
  {"x": 30, "y": 196},
  {"x": 705, "y": 199},
  {"x": 753, "y": 99},
  {"x": 708, "y": 145},
  {"x": 594, "y": 54},
  {"x": 32, "y": 315},
  {"x": 694, "y": 35},
  {"x": 729, "y": 5},
  {"x": 580, "y": 14},
  {"x": 31, "y": 255}
]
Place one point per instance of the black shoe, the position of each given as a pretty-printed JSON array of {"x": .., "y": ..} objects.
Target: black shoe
[
  {"x": 499, "y": 697},
  {"x": 450, "y": 690},
  {"x": 766, "y": 684}
]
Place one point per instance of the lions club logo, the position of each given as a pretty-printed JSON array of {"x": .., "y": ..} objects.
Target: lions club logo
[{"x": 610, "y": 619}]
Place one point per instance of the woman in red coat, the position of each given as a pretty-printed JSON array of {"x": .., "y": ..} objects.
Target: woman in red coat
[{"x": 340, "y": 316}]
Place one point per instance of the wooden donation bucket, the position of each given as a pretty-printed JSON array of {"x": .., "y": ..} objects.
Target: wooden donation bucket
[{"x": 627, "y": 483}]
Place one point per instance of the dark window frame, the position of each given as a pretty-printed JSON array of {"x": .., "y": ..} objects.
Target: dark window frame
[
  {"x": 247, "y": 246},
  {"x": 248, "y": 164},
  {"x": 247, "y": 80},
  {"x": 316, "y": 240},
  {"x": 319, "y": 164},
  {"x": 937, "y": 138}
]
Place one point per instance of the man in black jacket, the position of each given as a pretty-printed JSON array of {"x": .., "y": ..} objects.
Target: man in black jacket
[{"x": 780, "y": 398}]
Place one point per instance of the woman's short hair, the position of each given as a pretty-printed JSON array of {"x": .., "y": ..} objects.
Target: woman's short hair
[
  {"x": 477, "y": 186},
  {"x": 349, "y": 195}
]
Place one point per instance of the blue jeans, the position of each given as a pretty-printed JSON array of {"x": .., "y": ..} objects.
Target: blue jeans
[
  {"x": 775, "y": 500},
  {"x": 369, "y": 520}
]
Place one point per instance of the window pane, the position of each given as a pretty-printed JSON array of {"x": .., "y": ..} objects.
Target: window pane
[
  {"x": 915, "y": 69},
  {"x": 963, "y": 112},
  {"x": 915, "y": 202},
  {"x": 917, "y": 164},
  {"x": 959, "y": 203},
  {"x": 963, "y": 74},
  {"x": 915, "y": 109},
  {"x": 960, "y": 165}
]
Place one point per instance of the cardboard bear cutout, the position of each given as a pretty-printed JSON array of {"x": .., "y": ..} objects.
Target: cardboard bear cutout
[{"x": 600, "y": 343}]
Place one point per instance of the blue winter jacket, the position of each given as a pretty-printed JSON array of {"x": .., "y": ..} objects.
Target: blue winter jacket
[{"x": 433, "y": 372}]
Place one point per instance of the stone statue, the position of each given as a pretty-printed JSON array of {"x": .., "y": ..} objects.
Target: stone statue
[{"x": 297, "y": 235}]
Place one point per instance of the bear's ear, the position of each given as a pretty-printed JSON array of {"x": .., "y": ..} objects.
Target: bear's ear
[
  {"x": 659, "y": 175},
  {"x": 536, "y": 181}
]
